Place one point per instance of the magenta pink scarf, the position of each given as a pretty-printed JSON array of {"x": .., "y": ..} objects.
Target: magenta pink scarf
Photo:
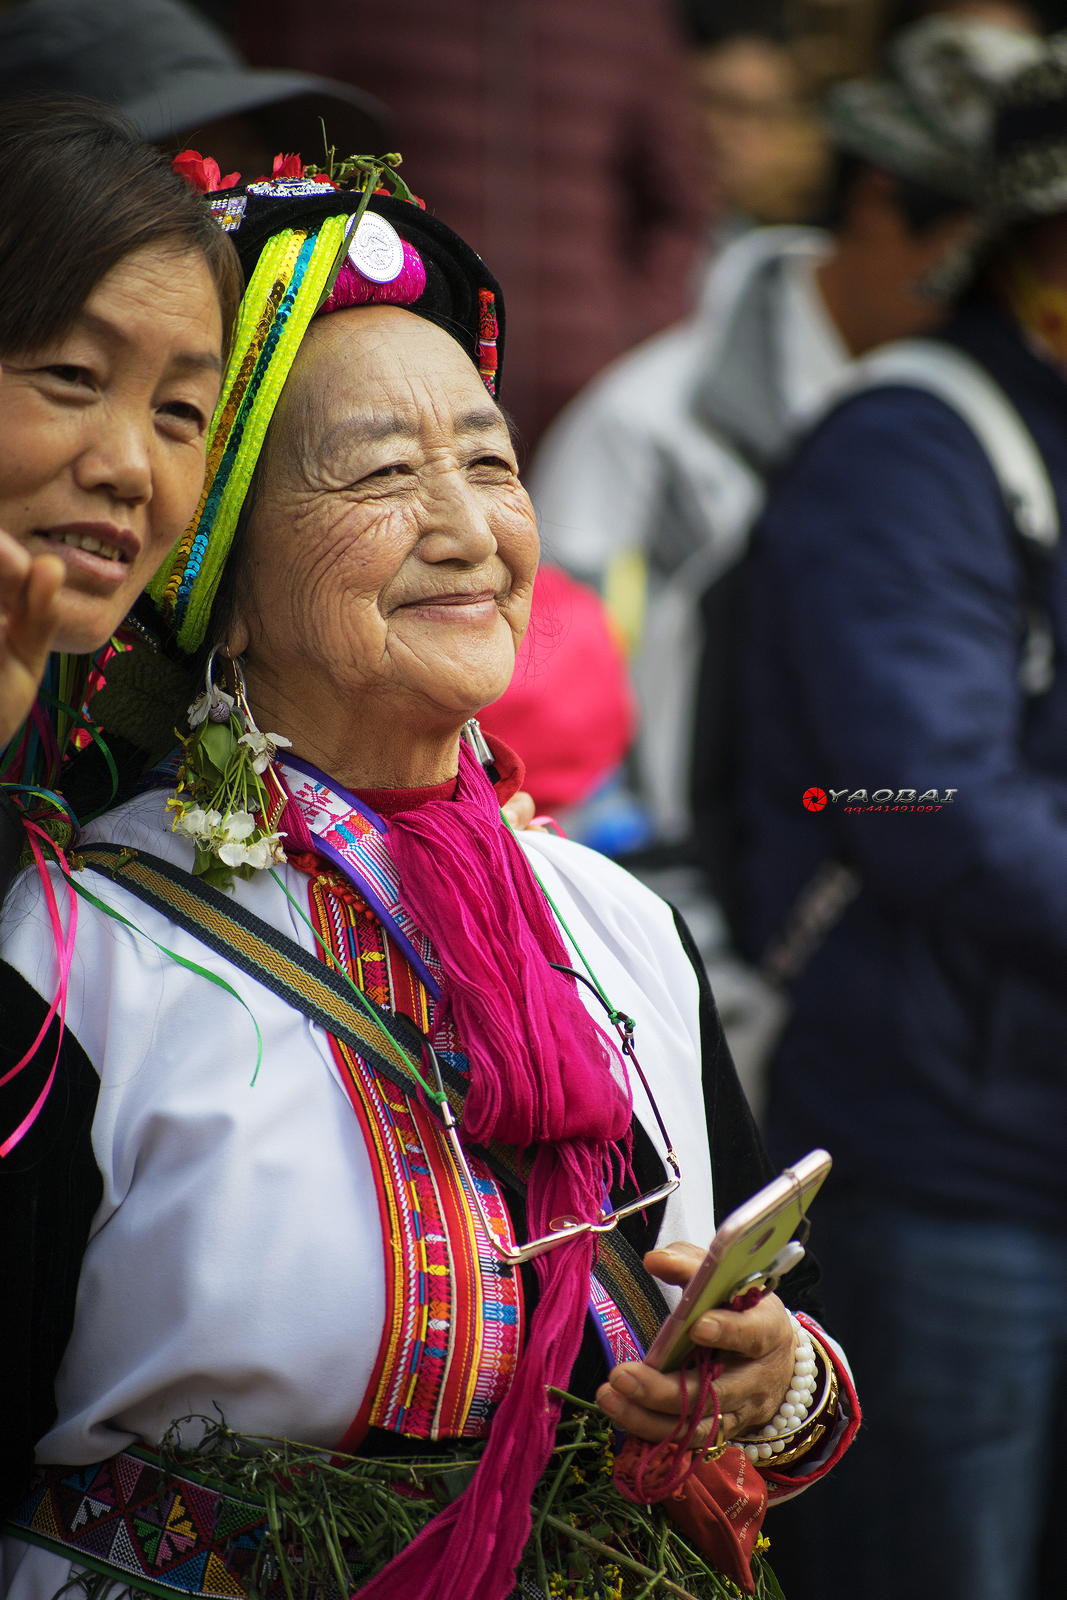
[{"x": 540, "y": 1074}]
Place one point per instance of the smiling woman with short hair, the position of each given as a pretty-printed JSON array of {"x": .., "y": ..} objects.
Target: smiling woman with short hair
[
  {"x": 341, "y": 1144},
  {"x": 117, "y": 298}
]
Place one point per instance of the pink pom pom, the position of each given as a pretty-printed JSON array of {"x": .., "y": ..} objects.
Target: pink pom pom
[
  {"x": 353, "y": 289},
  {"x": 350, "y": 289},
  {"x": 409, "y": 283}
]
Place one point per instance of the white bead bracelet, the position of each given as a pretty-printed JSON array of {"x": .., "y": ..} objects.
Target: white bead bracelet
[{"x": 794, "y": 1410}]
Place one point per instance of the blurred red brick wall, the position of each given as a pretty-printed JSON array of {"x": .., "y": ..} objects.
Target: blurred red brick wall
[{"x": 554, "y": 135}]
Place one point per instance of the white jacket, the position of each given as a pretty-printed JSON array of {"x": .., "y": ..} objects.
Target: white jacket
[{"x": 664, "y": 455}]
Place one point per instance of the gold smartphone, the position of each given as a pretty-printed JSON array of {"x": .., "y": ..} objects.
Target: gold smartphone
[{"x": 751, "y": 1248}]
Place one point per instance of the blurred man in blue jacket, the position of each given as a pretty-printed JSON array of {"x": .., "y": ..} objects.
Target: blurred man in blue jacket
[{"x": 906, "y": 735}]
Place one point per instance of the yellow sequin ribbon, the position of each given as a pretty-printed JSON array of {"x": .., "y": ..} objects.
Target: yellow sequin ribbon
[{"x": 279, "y": 303}]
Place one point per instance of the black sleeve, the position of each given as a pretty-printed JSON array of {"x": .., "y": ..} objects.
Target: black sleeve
[
  {"x": 739, "y": 1163},
  {"x": 12, "y": 839},
  {"x": 50, "y": 1188}
]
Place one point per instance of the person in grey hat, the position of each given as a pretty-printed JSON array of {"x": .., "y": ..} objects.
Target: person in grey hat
[
  {"x": 906, "y": 673},
  {"x": 179, "y": 81}
]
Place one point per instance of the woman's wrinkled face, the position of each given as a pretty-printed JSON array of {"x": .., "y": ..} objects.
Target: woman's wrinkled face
[
  {"x": 103, "y": 435},
  {"x": 392, "y": 549}
]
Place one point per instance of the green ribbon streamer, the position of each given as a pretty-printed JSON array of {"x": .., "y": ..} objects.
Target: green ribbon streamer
[
  {"x": 83, "y": 722},
  {"x": 191, "y": 966}
]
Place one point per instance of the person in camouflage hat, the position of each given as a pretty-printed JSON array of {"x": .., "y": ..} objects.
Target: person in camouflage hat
[{"x": 929, "y": 115}]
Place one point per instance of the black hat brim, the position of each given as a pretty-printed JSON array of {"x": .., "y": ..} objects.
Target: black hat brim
[{"x": 287, "y": 105}]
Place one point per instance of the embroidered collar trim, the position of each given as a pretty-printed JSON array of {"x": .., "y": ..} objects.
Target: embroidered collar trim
[{"x": 354, "y": 839}]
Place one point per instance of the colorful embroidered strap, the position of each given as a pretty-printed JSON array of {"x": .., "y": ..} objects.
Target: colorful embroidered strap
[
  {"x": 615, "y": 1334},
  {"x": 388, "y": 1043},
  {"x": 453, "y": 1328},
  {"x": 165, "y": 1533},
  {"x": 279, "y": 963},
  {"x": 353, "y": 837},
  {"x": 279, "y": 303},
  {"x": 453, "y": 1325}
]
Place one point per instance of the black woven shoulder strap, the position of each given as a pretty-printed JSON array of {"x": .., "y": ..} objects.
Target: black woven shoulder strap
[
  {"x": 265, "y": 954},
  {"x": 298, "y": 977}
]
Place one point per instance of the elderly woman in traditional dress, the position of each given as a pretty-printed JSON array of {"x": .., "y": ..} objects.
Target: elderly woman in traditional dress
[{"x": 305, "y": 956}]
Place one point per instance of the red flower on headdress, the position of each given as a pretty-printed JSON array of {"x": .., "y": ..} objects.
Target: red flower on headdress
[
  {"x": 203, "y": 172},
  {"x": 289, "y": 166}
]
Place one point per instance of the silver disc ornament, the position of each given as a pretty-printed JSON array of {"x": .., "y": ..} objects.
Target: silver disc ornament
[{"x": 376, "y": 250}]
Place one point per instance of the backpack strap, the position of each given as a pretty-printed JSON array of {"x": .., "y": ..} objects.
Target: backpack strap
[
  {"x": 967, "y": 388},
  {"x": 299, "y": 978}
]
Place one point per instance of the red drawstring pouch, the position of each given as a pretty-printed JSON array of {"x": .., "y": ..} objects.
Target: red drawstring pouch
[{"x": 719, "y": 1505}]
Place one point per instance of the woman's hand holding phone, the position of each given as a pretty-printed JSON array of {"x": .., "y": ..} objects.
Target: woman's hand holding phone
[{"x": 757, "y": 1346}]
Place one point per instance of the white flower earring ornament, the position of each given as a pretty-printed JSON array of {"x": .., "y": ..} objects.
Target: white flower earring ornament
[{"x": 221, "y": 794}]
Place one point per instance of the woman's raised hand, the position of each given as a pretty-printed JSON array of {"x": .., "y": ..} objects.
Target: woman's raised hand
[
  {"x": 29, "y": 616},
  {"x": 756, "y": 1345},
  {"x": 520, "y": 810}
]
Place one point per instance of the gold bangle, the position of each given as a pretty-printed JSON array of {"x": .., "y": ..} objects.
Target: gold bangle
[
  {"x": 817, "y": 1428},
  {"x": 829, "y": 1386},
  {"x": 800, "y": 1439},
  {"x": 719, "y": 1445},
  {"x": 829, "y": 1399},
  {"x": 798, "y": 1450}
]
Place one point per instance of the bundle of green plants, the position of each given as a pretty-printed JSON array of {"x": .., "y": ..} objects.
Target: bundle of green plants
[{"x": 333, "y": 1522}]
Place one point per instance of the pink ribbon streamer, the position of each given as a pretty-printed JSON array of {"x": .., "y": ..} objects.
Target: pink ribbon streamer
[{"x": 65, "y": 954}]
